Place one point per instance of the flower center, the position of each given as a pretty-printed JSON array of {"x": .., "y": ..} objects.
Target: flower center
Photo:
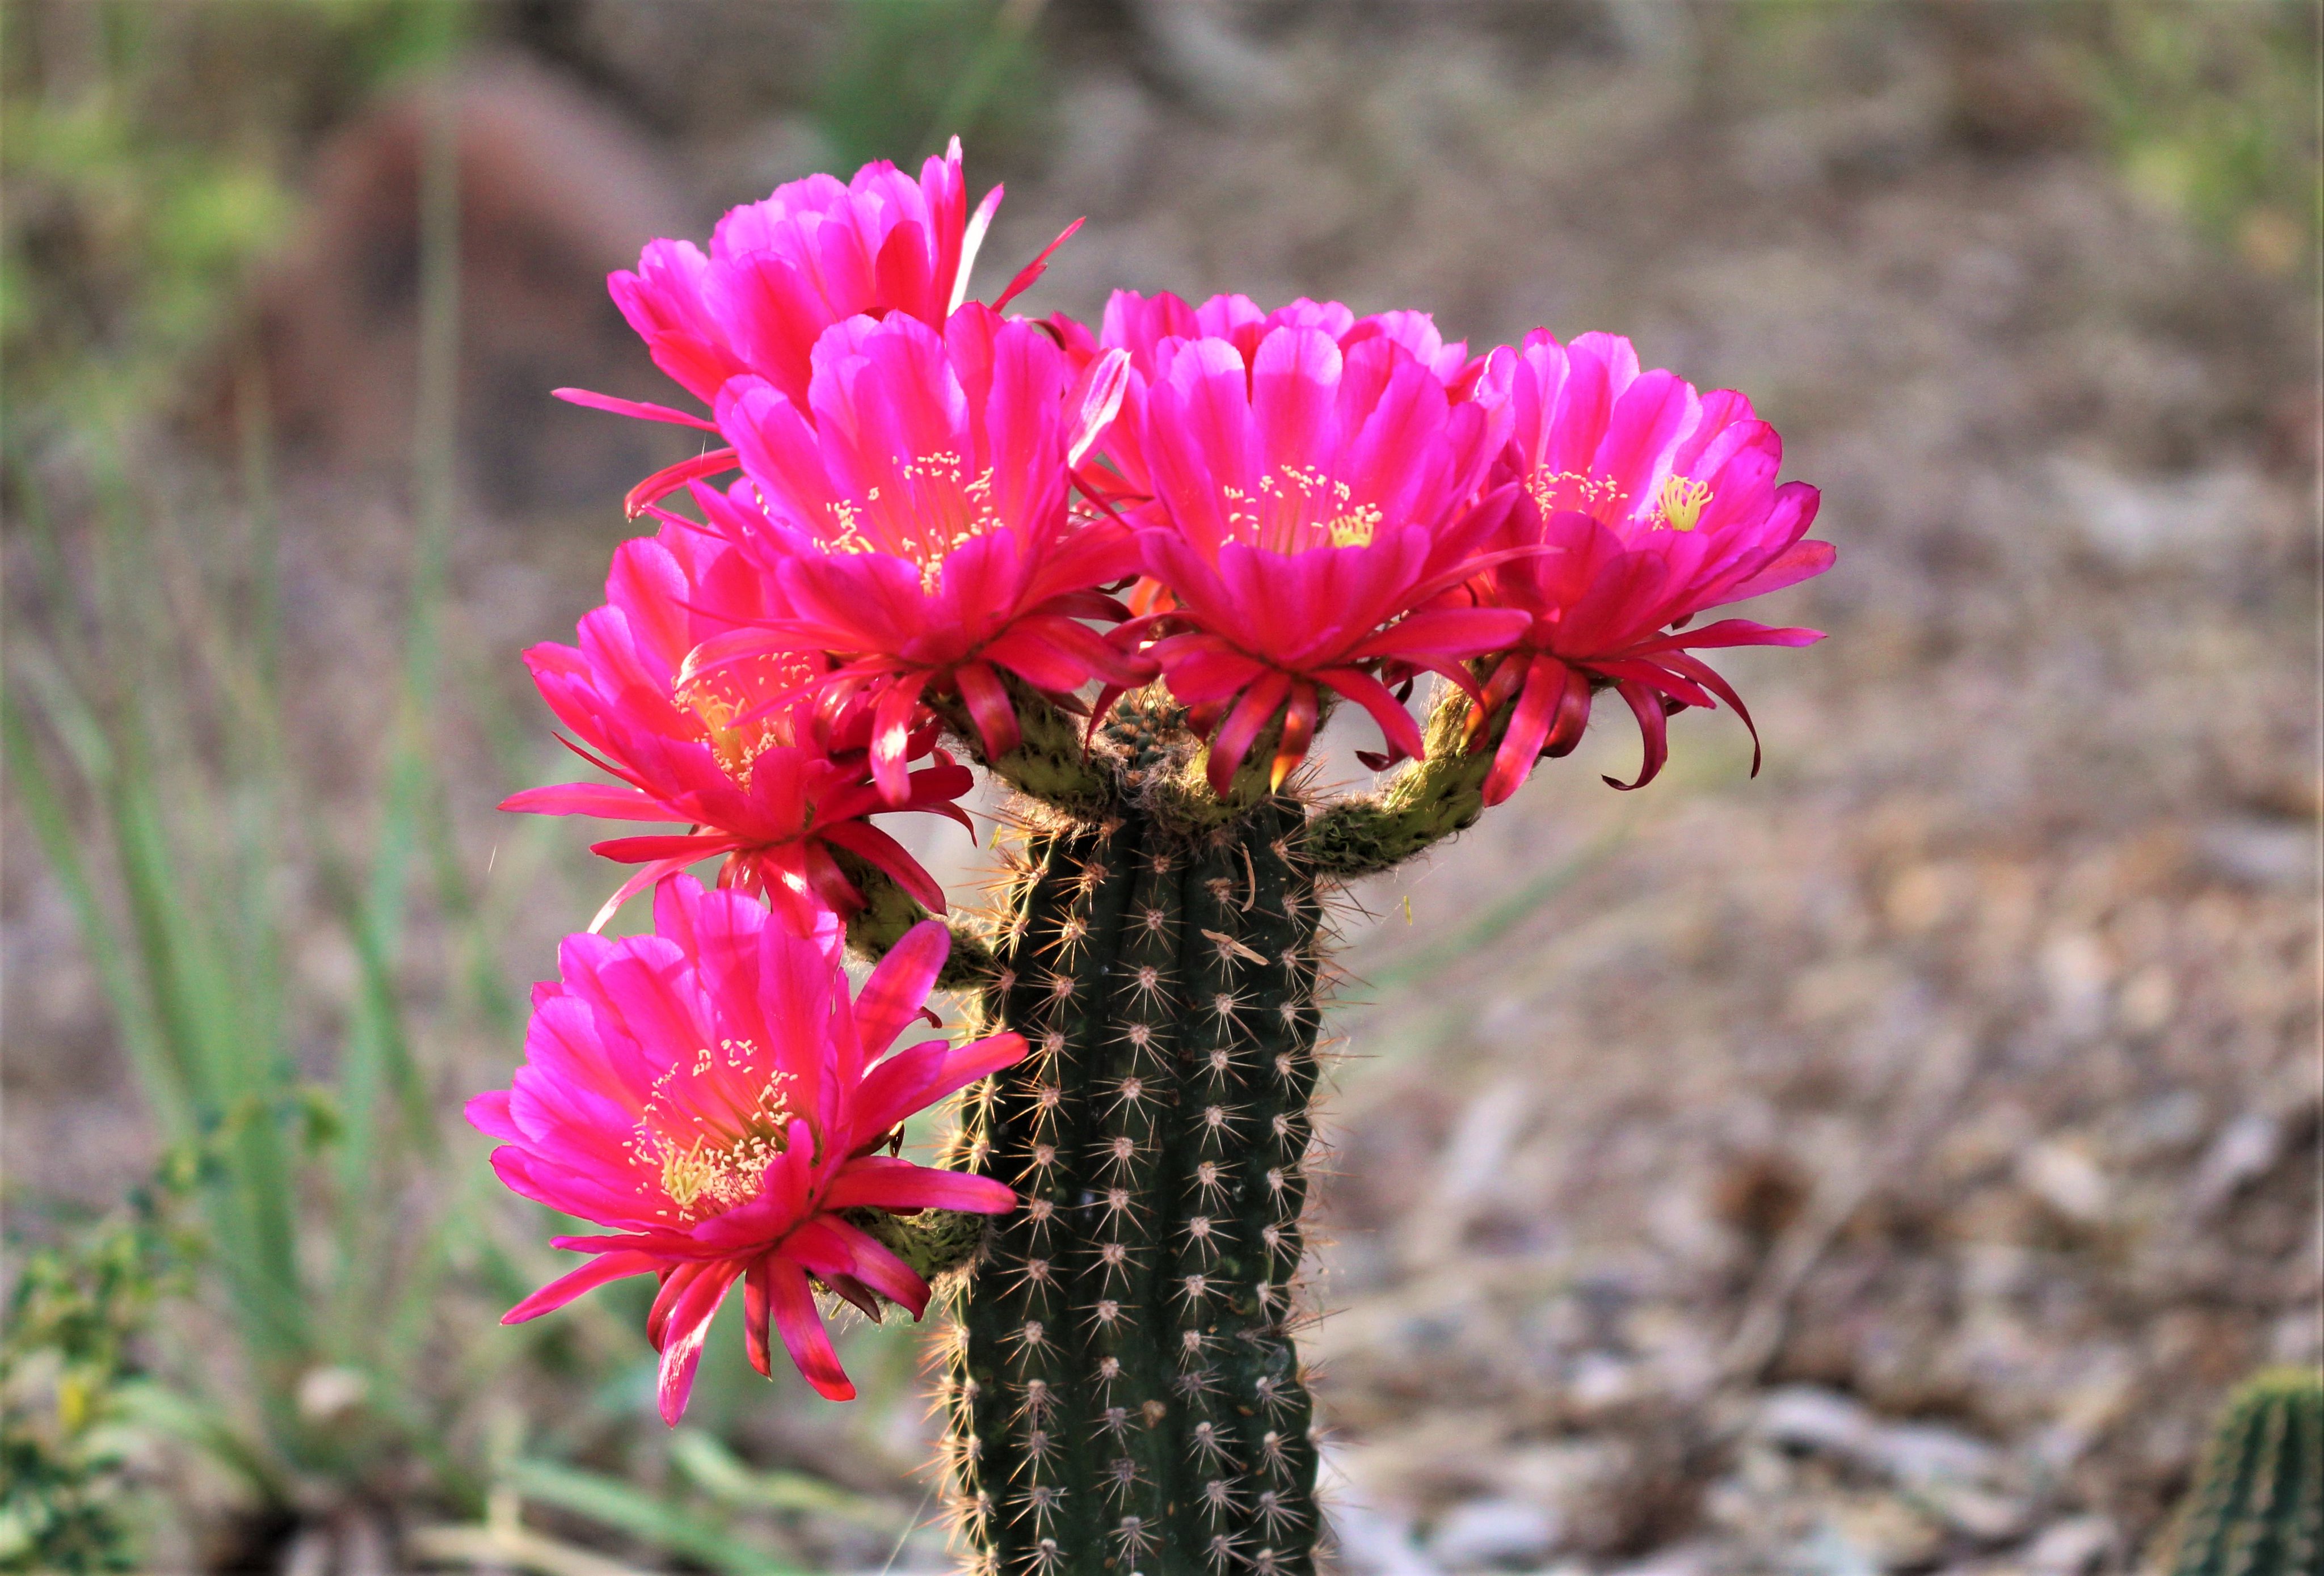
[
  {"x": 943, "y": 507},
  {"x": 1298, "y": 507},
  {"x": 710, "y": 1128},
  {"x": 1681, "y": 501},
  {"x": 1678, "y": 504},
  {"x": 1576, "y": 492},
  {"x": 722, "y": 695}
]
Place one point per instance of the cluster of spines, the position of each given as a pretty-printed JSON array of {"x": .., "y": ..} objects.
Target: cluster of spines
[{"x": 1122, "y": 1394}]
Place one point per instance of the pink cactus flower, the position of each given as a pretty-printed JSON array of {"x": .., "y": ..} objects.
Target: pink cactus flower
[
  {"x": 1143, "y": 324},
  {"x": 913, "y": 516},
  {"x": 1314, "y": 498},
  {"x": 782, "y": 270},
  {"x": 713, "y": 1095},
  {"x": 740, "y": 753},
  {"x": 1656, "y": 503}
]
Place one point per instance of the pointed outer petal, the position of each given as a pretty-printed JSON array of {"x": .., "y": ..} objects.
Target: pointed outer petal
[
  {"x": 605, "y": 1267},
  {"x": 878, "y": 1182},
  {"x": 1233, "y": 738},
  {"x": 899, "y": 988},
  {"x": 488, "y": 1113},
  {"x": 1800, "y": 561},
  {"x": 670, "y": 478},
  {"x": 688, "y": 1328},
  {"x": 646, "y": 850},
  {"x": 1529, "y": 725},
  {"x": 603, "y": 800},
  {"x": 1298, "y": 733},
  {"x": 792, "y": 1305},
  {"x": 861, "y": 837},
  {"x": 1703, "y": 673},
  {"x": 988, "y": 703},
  {"x": 1654, "y": 731},
  {"x": 855, "y": 1293},
  {"x": 1395, "y": 722},
  {"x": 833, "y": 1249},
  {"x": 1727, "y": 631},
  {"x": 1093, "y": 604},
  {"x": 1093, "y": 403},
  {"x": 637, "y": 884},
  {"x": 935, "y": 787},
  {"x": 1656, "y": 674},
  {"x": 891, "y": 734},
  {"x": 667, "y": 1249},
  {"x": 972, "y": 241},
  {"x": 1572, "y": 716},
  {"x": 1448, "y": 632},
  {"x": 643, "y": 410},
  {"x": 916, "y": 1077},
  {"x": 756, "y": 1315},
  {"x": 610, "y": 767},
  {"x": 1035, "y": 269},
  {"x": 1455, "y": 674}
]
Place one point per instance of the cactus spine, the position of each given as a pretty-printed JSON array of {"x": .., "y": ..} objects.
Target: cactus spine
[{"x": 2257, "y": 1506}]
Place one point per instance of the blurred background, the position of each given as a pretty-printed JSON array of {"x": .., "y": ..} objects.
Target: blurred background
[{"x": 1884, "y": 1165}]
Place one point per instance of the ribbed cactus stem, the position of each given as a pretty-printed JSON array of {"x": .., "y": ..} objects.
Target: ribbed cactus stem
[
  {"x": 2257, "y": 1506},
  {"x": 1124, "y": 1395}
]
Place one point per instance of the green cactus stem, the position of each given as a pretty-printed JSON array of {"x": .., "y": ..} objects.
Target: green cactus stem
[
  {"x": 2257, "y": 1506},
  {"x": 1426, "y": 802},
  {"x": 1124, "y": 1394},
  {"x": 1121, "y": 1388}
]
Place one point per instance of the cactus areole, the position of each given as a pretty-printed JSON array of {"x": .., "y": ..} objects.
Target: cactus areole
[{"x": 1129, "y": 571}]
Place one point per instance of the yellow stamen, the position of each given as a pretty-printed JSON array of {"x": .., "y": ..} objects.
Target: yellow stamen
[
  {"x": 717, "y": 1162},
  {"x": 1681, "y": 501}
]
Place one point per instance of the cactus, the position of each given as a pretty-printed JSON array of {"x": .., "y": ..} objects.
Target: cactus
[
  {"x": 929, "y": 536},
  {"x": 1121, "y": 1384},
  {"x": 2257, "y": 1506}
]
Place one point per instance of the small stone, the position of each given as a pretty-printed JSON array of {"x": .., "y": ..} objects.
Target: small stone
[
  {"x": 2243, "y": 1153},
  {"x": 1988, "y": 1517},
  {"x": 1920, "y": 1453},
  {"x": 2060, "y": 1172},
  {"x": 1887, "y": 1533},
  {"x": 1378, "y": 1543},
  {"x": 1493, "y": 1534},
  {"x": 1808, "y": 1417},
  {"x": 2069, "y": 1548}
]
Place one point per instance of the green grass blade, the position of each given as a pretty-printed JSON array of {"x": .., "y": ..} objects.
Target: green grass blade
[{"x": 610, "y": 1502}]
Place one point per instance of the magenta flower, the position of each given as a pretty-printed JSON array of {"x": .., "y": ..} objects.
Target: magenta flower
[
  {"x": 713, "y": 1095},
  {"x": 1655, "y": 503},
  {"x": 914, "y": 519},
  {"x": 1313, "y": 498},
  {"x": 781, "y": 271},
  {"x": 1144, "y": 326},
  {"x": 739, "y": 753}
]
